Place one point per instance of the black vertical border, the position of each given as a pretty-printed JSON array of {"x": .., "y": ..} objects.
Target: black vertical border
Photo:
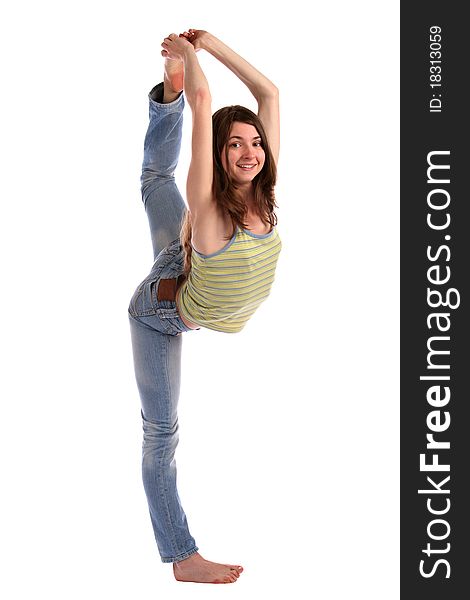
[{"x": 423, "y": 132}]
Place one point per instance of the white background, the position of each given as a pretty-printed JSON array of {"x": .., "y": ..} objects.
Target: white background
[{"x": 288, "y": 455}]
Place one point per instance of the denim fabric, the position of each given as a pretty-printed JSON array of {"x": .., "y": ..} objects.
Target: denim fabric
[
  {"x": 161, "y": 315},
  {"x": 156, "y": 329}
]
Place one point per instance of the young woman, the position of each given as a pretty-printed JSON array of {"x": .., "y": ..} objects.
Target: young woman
[{"x": 214, "y": 263}]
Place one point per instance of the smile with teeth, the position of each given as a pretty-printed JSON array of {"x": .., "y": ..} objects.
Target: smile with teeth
[{"x": 247, "y": 166}]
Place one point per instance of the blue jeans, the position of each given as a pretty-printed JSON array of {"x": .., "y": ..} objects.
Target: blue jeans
[{"x": 156, "y": 329}]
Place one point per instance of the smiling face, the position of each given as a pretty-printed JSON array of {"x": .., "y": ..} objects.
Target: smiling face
[{"x": 245, "y": 153}]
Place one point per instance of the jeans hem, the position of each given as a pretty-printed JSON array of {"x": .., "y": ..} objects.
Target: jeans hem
[
  {"x": 180, "y": 556},
  {"x": 156, "y": 98}
]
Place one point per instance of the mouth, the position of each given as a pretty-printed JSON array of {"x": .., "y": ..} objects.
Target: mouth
[{"x": 246, "y": 166}]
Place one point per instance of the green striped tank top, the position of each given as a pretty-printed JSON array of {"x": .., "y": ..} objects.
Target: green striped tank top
[{"x": 225, "y": 288}]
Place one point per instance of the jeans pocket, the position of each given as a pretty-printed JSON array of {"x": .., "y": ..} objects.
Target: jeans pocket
[
  {"x": 166, "y": 310},
  {"x": 141, "y": 303},
  {"x": 156, "y": 295},
  {"x": 164, "y": 300}
]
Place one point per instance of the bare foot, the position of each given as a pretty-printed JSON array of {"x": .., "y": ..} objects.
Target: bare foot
[
  {"x": 172, "y": 79},
  {"x": 199, "y": 570}
]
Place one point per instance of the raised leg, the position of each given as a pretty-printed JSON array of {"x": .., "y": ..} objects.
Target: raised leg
[
  {"x": 157, "y": 362},
  {"x": 162, "y": 200}
]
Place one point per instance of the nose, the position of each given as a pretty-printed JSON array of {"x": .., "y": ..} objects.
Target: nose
[{"x": 248, "y": 153}]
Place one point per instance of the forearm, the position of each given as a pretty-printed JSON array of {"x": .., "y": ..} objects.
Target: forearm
[
  {"x": 195, "y": 82},
  {"x": 259, "y": 85}
]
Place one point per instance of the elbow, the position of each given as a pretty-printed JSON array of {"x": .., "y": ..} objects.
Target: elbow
[
  {"x": 274, "y": 91},
  {"x": 269, "y": 92}
]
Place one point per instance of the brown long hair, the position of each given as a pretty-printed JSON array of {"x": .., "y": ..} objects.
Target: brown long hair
[{"x": 224, "y": 189}]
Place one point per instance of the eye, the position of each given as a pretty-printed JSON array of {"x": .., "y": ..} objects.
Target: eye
[
  {"x": 259, "y": 144},
  {"x": 234, "y": 144}
]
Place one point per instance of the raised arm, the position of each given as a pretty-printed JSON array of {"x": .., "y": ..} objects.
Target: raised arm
[
  {"x": 265, "y": 92},
  {"x": 196, "y": 89}
]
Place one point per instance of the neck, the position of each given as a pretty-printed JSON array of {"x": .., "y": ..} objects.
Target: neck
[{"x": 249, "y": 195}]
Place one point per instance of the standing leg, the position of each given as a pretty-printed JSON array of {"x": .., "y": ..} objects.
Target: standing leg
[
  {"x": 157, "y": 362},
  {"x": 162, "y": 200},
  {"x": 157, "y": 356}
]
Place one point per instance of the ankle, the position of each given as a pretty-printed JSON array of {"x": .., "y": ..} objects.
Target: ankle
[
  {"x": 195, "y": 557},
  {"x": 169, "y": 92},
  {"x": 167, "y": 98}
]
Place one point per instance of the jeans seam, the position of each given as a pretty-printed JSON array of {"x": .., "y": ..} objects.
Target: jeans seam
[{"x": 163, "y": 455}]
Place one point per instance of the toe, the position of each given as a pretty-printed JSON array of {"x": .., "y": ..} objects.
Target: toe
[
  {"x": 235, "y": 573},
  {"x": 237, "y": 568}
]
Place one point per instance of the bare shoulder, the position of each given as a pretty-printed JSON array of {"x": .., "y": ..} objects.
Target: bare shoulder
[{"x": 210, "y": 231}]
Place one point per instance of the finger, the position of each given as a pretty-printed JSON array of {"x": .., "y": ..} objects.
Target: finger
[{"x": 164, "y": 53}]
